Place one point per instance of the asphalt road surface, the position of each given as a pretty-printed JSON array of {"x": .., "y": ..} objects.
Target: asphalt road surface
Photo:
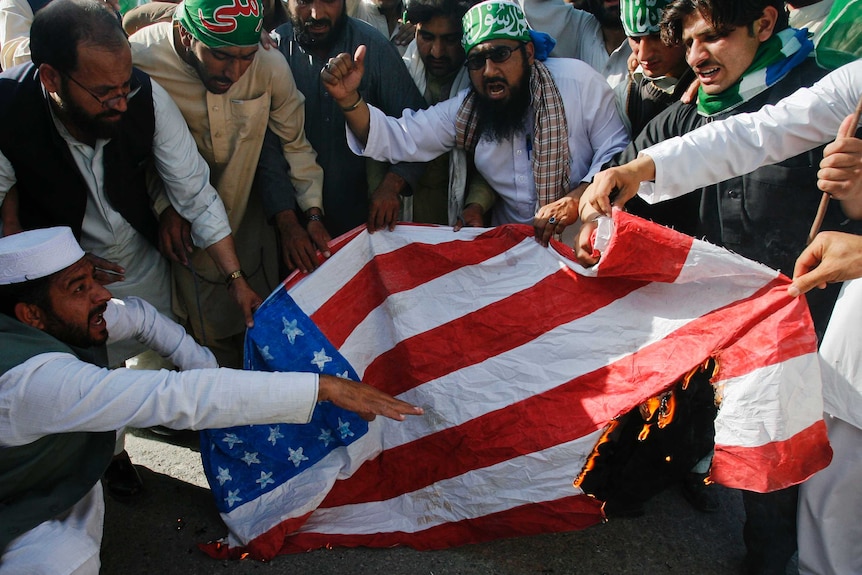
[{"x": 158, "y": 533}]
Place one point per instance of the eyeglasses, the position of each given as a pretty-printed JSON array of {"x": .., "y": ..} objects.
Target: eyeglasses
[
  {"x": 112, "y": 102},
  {"x": 497, "y": 54}
]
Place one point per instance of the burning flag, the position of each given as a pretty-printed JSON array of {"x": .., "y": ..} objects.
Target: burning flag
[{"x": 521, "y": 359}]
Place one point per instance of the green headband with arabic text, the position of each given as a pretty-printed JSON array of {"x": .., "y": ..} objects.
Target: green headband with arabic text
[
  {"x": 641, "y": 17},
  {"x": 222, "y": 23},
  {"x": 492, "y": 20}
]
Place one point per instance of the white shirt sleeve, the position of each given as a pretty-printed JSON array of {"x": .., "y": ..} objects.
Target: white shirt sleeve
[
  {"x": 16, "y": 16},
  {"x": 134, "y": 318},
  {"x": 742, "y": 143},
  {"x": 185, "y": 173},
  {"x": 417, "y": 136},
  {"x": 600, "y": 122},
  {"x": 57, "y": 393}
]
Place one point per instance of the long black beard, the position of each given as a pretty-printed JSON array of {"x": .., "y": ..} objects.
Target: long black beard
[{"x": 500, "y": 121}]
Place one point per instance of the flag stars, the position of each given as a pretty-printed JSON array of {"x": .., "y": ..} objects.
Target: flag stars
[
  {"x": 326, "y": 437},
  {"x": 231, "y": 439},
  {"x": 343, "y": 375},
  {"x": 223, "y": 476},
  {"x": 250, "y": 458},
  {"x": 265, "y": 479},
  {"x": 291, "y": 330},
  {"x": 232, "y": 497},
  {"x": 344, "y": 429},
  {"x": 321, "y": 359},
  {"x": 274, "y": 435},
  {"x": 264, "y": 353},
  {"x": 296, "y": 457}
]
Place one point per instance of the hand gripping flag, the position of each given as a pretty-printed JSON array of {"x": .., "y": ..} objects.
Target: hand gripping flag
[{"x": 521, "y": 359}]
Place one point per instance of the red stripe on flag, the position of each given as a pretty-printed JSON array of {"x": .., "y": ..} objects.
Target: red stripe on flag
[
  {"x": 494, "y": 329},
  {"x": 756, "y": 344},
  {"x": 568, "y": 514},
  {"x": 334, "y": 246},
  {"x": 774, "y": 465},
  {"x": 385, "y": 275},
  {"x": 642, "y": 250},
  {"x": 571, "y": 410}
]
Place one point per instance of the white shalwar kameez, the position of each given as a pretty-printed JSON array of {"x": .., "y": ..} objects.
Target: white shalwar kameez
[{"x": 830, "y": 503}]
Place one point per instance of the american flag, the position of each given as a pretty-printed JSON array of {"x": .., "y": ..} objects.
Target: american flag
[{"x": 521, "y": 359}]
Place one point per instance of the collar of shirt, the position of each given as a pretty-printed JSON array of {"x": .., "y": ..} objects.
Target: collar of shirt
[{"x": 664, "y": 83}]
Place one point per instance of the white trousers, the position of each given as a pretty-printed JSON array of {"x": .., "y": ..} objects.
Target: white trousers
[
  {"x": 62, "y": 546},
  {"x": 830, "y": 508}
]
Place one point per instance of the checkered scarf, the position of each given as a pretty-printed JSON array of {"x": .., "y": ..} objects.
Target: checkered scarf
[{"x": 550, "y": 134}]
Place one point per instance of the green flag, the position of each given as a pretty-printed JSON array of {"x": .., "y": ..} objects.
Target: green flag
[{"x": 839, "y": 42}]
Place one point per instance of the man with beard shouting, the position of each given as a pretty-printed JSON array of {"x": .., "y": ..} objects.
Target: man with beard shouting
[
  {"x": 319, "y": 29},
  {"x": 60, "y": 411},
  {"x": 538, "y": 131}
]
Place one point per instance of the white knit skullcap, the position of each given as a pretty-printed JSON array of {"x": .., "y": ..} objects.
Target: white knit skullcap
[{"x": 35, "y": 254}]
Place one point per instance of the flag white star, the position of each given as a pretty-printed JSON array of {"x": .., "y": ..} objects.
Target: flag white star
[
  {"x": 274, "y": 435},
  {"x": 343, "y": 375},
  {"x": 223, "y": 475},
  {"x": 250, "y": 458},
  {"x": 232, "y": 497},
  {"x": 326, "y": 437},
  {"x": 231, "y": 439},
  {"x": 290, "y": 330},
  {"x": 321, "y": 359},
  {"x": 265, "y": 479},
  {"x": 296, "y": 457},
  {"x": 264, "y": 353},
  {"x": 344, "y": 429}
]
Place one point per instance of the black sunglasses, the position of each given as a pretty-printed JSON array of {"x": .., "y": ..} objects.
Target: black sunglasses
[{"x": 497, "y": 54}]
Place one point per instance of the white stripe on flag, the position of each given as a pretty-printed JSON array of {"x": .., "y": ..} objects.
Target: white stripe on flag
[
  {"x": 310, "y": 293},
  {"x": 547, "y": 475},
  {"x": 754, "y": 414}
]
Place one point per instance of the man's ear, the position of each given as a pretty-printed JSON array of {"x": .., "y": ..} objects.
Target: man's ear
[
  {"x": 764, "y": 27},
  {"x": 30, "y": 314},
  {"x": 50, "y": 78},
  {"x": 530, "y": 50}
]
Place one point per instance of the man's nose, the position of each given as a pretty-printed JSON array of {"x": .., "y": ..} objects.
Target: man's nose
[{"x": 436, "y": 49}]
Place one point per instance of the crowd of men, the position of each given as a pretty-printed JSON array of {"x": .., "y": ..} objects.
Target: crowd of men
[{"x": 188, "y": 156}]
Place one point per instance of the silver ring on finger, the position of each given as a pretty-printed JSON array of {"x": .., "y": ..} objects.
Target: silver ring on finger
[{"x": 552, "y": 220}]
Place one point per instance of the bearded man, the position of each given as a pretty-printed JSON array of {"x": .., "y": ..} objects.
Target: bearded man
[
  {"x": 319, "y": 29},
  {"x": 435, "y": 60},
  {"x": 80, "y": 128},
  {"x": 229, "y": 92},
  {"x": 538, "y": 131},
  {"x": 60, "y": 411}
]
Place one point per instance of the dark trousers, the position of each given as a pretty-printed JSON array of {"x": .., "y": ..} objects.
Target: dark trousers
[{"x": 770, "y": 530}]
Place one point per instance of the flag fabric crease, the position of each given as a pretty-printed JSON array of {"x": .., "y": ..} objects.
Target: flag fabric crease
[{"x": 520, "y": 358}]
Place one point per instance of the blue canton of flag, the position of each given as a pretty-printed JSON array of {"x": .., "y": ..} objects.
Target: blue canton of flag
[{"x": 243, "y": 463}]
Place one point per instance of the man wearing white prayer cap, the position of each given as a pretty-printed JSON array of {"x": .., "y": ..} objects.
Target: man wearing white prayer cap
[{"x": 58, "y": 413}]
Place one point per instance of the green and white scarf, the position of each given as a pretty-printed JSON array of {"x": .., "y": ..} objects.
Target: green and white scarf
[{"x": 772, "y": 62}]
